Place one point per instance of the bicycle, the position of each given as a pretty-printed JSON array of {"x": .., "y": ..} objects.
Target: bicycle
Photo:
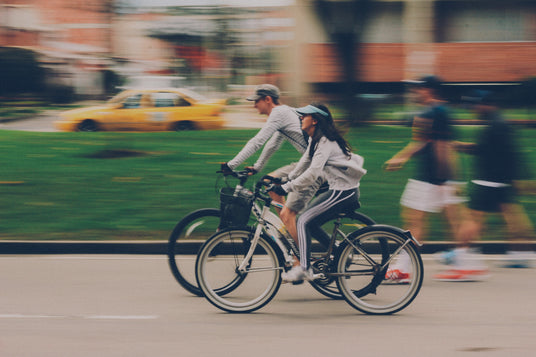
[
  {"x": 357, "y": 262},
  {"x": 199, "y": 225}
]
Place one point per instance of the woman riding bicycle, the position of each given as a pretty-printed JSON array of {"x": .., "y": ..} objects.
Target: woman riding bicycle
[{"x": 330, "y": 156}]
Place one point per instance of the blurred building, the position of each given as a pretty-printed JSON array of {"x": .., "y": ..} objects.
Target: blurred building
[
  {"x": 72, "y": 37},
  {"x": 463, "y": 41}
]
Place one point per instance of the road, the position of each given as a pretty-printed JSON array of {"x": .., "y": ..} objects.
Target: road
[{"x": 129, "y": 305}]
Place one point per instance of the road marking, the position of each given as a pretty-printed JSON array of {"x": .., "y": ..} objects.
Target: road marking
[
  {"x": 122, "y": 317},
  {"x": 21, "y": 316},
  {"x": 94, "y": 317}
]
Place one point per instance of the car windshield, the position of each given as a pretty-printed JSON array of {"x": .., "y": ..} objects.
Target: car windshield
[
  {"x": 119, "y": 97},
  {"x": 194, "y": 95}
]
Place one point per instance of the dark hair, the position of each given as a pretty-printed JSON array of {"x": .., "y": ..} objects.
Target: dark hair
[
  {"x": 275, "y": 100},
  {"x": 326, "y": 127}
]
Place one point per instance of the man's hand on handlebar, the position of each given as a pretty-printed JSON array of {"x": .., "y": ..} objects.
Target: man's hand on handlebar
[
  {"x": 251, "y": 170},
  {"x": 275, "y": 180},
  {"x": 225, "y": 169}
]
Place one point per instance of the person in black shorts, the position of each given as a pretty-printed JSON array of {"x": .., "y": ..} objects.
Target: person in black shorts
[{"x": 498, "y": 167}]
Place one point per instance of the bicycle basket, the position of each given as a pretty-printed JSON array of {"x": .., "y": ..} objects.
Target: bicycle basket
[{"x": 235, "y": 208}]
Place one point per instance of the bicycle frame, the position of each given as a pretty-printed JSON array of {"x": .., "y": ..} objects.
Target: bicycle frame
[{"x": 272, "y": 225}]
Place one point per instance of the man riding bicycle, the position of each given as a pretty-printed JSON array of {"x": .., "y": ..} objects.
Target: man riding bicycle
[{"x": 282, "y": 125}]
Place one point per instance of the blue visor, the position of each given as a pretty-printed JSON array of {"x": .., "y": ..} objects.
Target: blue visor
[{"x": 311, "y": 109}]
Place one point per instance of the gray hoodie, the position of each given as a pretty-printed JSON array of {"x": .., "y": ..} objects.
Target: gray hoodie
[{"x": 341, "y": 172}]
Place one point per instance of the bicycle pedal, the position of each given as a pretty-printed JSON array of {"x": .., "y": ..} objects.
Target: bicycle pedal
[{"x": 318, "y": 276}]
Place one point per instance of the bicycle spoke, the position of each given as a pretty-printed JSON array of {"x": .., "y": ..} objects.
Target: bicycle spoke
[
  {"x": 245, "y": 291},
  {"x": 364, "y": 285}
]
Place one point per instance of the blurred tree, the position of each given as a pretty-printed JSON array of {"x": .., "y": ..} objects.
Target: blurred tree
[
  {"x": 19, "y": 72},
  {"x": 344, "y": 22}
]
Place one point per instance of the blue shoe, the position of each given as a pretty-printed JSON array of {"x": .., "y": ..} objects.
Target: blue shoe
[{"x": 446, "y": 258}]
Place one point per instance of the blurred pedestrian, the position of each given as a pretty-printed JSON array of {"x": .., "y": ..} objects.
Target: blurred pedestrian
[
  {"x": 498, "y": 172},
  {"x": 431, "y": 190}
]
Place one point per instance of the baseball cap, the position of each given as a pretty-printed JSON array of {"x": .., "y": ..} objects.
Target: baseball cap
[
  {"x": 311, "y": 109},
  {"x": 430, "y": 81},
  {"x": 478, "y": 96},
  {"x": 264, "y": 90}
]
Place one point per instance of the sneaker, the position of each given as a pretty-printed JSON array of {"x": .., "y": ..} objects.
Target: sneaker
[
  {"x": 517, "y": 259},
  {"x": 297, "y": 275},
  {"x": 463, "y": 274},
  {"x": 446, "y": 258},
  {"x": 399, "y": 270},
  {"x": 396, "y": 276}
]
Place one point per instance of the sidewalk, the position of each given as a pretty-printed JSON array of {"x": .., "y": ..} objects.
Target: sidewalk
[{"x": 160, "y": 247}]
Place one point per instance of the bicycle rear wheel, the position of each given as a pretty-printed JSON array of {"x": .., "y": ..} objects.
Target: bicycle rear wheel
[
  {"x": 350, "y": 222},
  {"x": 217, "y": 265},
  {"x": 363, "y": 262},
  {"x": 194, "y": 229}
]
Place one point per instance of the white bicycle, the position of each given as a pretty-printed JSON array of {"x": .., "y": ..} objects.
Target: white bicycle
[
  {"x": 235, "y": 211},
  {"x": 239, "y": 269}
]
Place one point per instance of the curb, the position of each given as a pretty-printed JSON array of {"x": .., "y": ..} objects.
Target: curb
[{"x": 160, "y": 247}]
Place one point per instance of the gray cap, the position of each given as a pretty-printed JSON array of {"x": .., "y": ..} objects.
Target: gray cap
[
  {"x": 311, "y": 109},
  {"x": 264, "y": 90}
]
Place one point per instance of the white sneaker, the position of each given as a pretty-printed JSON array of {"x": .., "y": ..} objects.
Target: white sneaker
[
  {"x": 468, "y": 266},
  {"x": 518, "y": 259},
  {"x": 297, "y": 275}
]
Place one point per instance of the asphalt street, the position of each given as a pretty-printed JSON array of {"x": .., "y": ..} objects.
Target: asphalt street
[{"x": 130, "y": 305}]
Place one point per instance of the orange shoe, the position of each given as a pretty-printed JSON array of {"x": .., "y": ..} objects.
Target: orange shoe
[
  {"x": 396, "y": 276},
  {"x": 477, "y": 274}
]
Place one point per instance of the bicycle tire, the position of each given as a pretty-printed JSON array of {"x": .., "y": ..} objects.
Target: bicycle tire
[
  {"x": 218, "y": 261},
  {"x": 192, "y": 230},
  {"x": 366, "y": 289},
  {"x": 328, "y": 286}
]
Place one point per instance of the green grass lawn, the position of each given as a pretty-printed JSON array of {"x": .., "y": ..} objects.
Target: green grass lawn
[{"x": 60, "y": 186}]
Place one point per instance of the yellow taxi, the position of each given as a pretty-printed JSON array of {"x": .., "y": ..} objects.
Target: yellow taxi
[{"x": 147, "y": 110}]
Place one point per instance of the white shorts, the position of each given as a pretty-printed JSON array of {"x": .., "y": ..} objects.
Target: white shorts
[{"x": 427, "y": 197}]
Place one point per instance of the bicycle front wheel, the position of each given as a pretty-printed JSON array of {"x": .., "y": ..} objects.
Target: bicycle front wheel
[
  {"x": 362, "y": 265},
  {"x": 218, "y": 264},
  {"x": 193, "y": 230}
]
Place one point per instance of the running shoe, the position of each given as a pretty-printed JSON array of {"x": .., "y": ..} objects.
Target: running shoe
[
  {"x": 520, "y": 260},
  {"x": 446, "y": 258},
  {"x": 463, "y": 274},
  {"x": 297, "y": 275},
  {"x": 396, "y": 276}
]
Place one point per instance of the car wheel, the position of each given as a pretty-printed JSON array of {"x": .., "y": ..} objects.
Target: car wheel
[
  {"x": 88, "y": 125},
  {"x": 183, "y": 126}
]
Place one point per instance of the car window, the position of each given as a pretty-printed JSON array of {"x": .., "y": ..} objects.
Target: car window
[
  {"x": 167, "y": 99},
  {"x": 132, "y": 101}
]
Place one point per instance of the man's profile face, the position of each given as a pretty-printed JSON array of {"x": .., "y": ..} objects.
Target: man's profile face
[
  {"x": 263, "y": 105},
  {"x": 421, "y": 95}
]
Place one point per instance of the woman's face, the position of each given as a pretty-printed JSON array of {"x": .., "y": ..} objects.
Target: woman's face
[{"x": 308, "y": 124}]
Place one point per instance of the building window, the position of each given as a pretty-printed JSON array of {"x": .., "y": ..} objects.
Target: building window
[{"x": 485, "y": 21}]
